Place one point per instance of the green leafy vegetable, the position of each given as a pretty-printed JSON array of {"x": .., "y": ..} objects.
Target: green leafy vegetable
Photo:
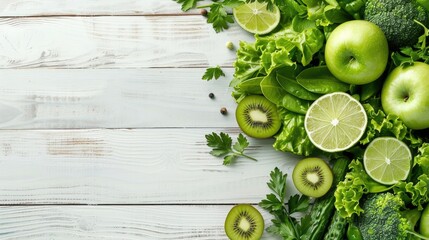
[
  {"x": 284, "y": 224},
  {"x": 320, "y": 80},
  {"x": 350, "y": 191},
  {"x": 293, "y": 137},
  {"x": 213, "y": 72},
  {"x": 222, "y": 147},
  {"x": 416, "y": 190},
  {"x": 289, "y": 83}
]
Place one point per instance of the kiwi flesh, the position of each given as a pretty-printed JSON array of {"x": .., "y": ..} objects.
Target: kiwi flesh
[
  {"x": 244, "y": 222},
  {"x": 312, "y": 177},
  {"x": 257, "y": 117}
]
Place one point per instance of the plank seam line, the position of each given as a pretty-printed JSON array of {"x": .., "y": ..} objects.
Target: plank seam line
[
  {"x": 123, "y": 205},
  {"x": 104, "y": 15}
]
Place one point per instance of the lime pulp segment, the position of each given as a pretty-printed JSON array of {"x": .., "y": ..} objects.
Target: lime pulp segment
[
  {"x": 387, "y": 160},
  {"x": 335, "y": 122}
]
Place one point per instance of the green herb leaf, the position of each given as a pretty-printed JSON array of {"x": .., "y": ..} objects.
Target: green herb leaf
[
  {"x": 278, "y": 183},
  {"x": 213, "y": 72},
  {"x": 272, "y": 203},
  {"x": 298, "y": 203},
  {"x": 229, "y": 159},
  {"x": 187, "y": 4},
  {"x": 223, "y": 147},
  {"x": 219, "y": 142},
  {"x": 219, "y": 17},
  {"x": 284, "y": 224},
  {"x": 241, "y": 143}
]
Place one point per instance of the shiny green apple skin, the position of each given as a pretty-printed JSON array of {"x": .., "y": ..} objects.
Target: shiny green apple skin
[
  {"x": 357, "y": 52},
  {"x": 405, "y": 93}
]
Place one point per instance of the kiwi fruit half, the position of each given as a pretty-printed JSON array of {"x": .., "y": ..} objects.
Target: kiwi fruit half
[
  {"x": 257, "y": 117},
  {"x": 244, "y": 222},
  {"x": 312, "y": 177}
]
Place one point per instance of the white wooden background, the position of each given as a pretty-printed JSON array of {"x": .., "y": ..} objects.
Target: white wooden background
[{"x": 103, "y": 115}]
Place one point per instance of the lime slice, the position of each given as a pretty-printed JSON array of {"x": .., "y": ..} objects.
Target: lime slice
[
  {"x": 387, "y": 160},
  {"x": 256, "y": 18},
  {"x": 335, "y": 122}
]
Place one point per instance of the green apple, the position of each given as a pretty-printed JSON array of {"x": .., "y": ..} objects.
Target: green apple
[
  {"x": 356, "y": 52},
  {"x": 405, "y": 94}
]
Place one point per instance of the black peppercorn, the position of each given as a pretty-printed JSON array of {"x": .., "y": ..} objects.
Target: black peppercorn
[
  {"x": 211, "y": 95},
  {"x": 223, "y": 111}
]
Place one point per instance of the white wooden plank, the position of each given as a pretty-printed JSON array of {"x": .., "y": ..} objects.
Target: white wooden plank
[
  {"x": 113, "y": 98},
  {"x": 115, "y": 42},
  {"x": 91, "y": 7},
  {"x": 116, "y": 222},
  {"x": 146, "y": 166}
]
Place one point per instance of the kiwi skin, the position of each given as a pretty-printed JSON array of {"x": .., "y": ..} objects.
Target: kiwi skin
[
  {"x": 312, "y": 177},
  {"x": 244, "y": 222},
  {"x": 257, "y": 117}
]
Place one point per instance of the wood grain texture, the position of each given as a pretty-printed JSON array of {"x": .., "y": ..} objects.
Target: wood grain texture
[
  {"x": 146, "y": 166},
  {"x": 115, "y": 42},
  {"x": 116, "y": 222},
  {"x": 91, "y": 7},
  {"x": 113, "y": 98}
]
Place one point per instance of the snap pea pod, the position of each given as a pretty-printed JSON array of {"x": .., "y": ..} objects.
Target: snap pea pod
[
  {"x": 337, "y": 228},
  {"x": 353, "y": 232},
  {"x": 291, "y": 86},
  {"x": 320, "y": 80},
  {"x": 323, "y": 207}
]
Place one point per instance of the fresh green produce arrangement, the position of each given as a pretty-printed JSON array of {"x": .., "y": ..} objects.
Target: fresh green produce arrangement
[{"x": 344, "y": 84}]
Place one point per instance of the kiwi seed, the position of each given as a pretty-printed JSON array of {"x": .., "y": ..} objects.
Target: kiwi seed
[
  {"x": 257, "y": 117},
  {"x": 312, "y": 177},
  {"x": 244, "y": 222}
]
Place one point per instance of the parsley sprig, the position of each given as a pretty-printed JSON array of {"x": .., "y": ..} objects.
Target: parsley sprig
[
  {"x": 283, "y": 223},
  {"x": 219, "y": 11},
  {"x": 213, "y": 72},
  {"x": 223, "y": 147}
]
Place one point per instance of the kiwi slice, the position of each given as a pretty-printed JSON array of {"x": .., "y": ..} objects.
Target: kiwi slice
[
  {"x": 244, "y": 222},
  {"x": 312, "y": 177},
  {"x": 257, "y": 117}
]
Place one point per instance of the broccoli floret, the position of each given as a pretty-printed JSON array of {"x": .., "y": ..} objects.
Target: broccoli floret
[
  {"x": 397, "y": 20},
  {"x": 382, "y": 218}
]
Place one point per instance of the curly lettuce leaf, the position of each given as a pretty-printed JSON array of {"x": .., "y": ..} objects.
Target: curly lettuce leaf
[
  {"x": 293, "y": 137},
  {"x": 248, "y": 63},
  {"x": 382, "y": 124},
  {"x": 349, "y": 191},
  {"x": 422, "y": 159},
  {"x": 297, "y": 42},
  {"x": 415, "y": 191}
]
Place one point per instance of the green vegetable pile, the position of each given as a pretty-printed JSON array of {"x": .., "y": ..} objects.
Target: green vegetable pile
[{"x": 288, "y": 67}]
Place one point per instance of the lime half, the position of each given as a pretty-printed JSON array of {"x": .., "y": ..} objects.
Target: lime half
[
  {"x": 335, "y": 122},
  {"x": 256, "y": 18},
  {"x": 387, "y": 160}
]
